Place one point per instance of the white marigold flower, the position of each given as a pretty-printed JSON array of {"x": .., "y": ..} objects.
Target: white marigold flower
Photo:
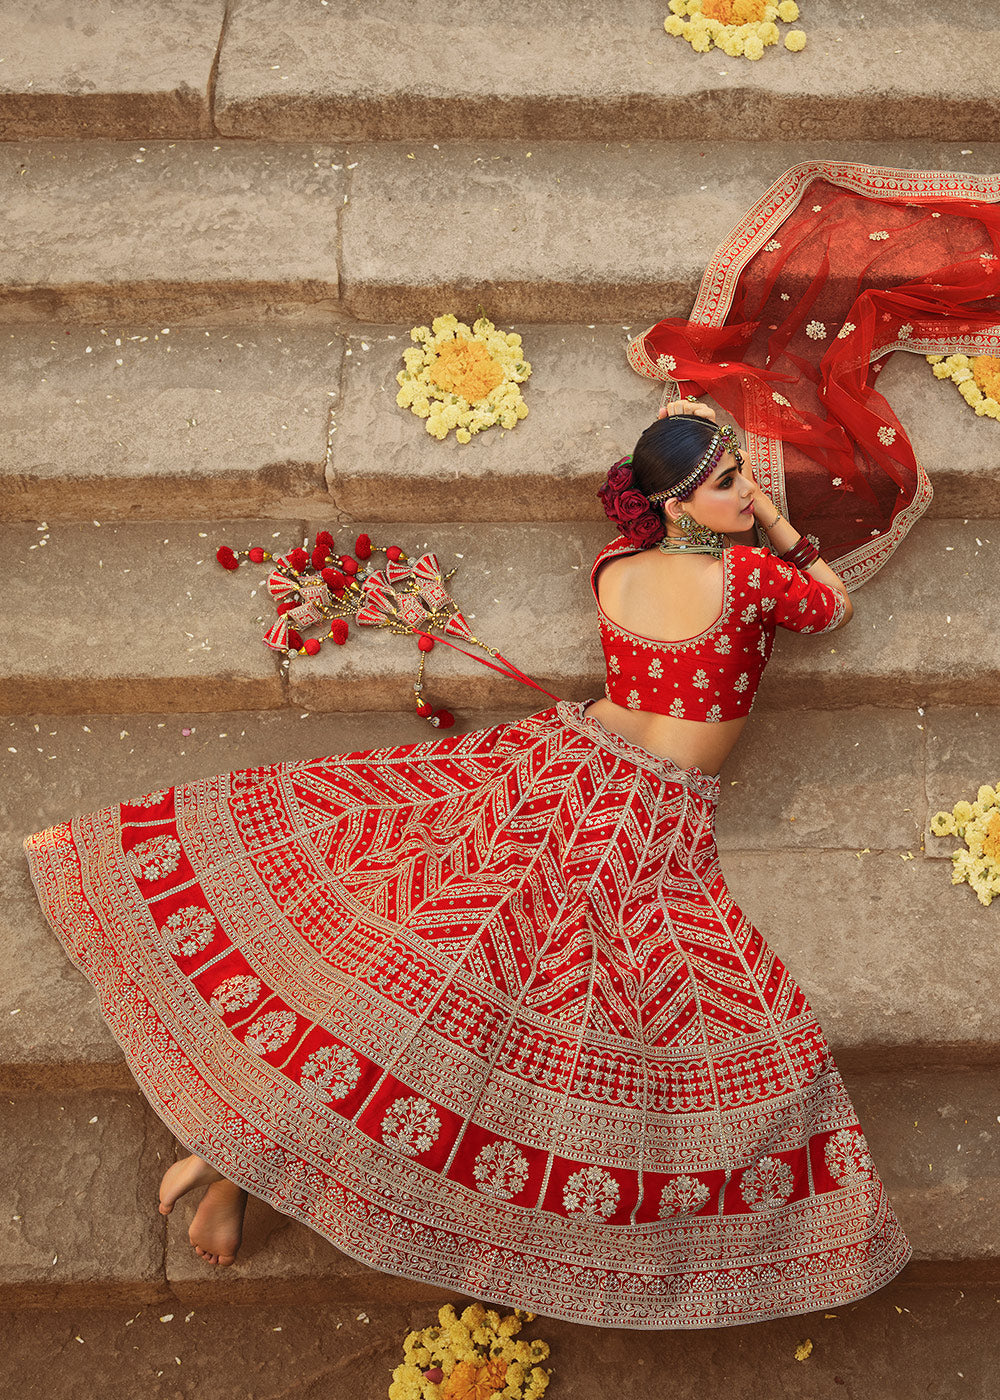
[
  {"x": 816, "y": 330},
  {"x": 667, "y": 363},
  {"x": 845, "y": 330},
  {"x": 772, "y": 247},
  {"x": 904, "y": 332},
  {"x": 879, "y": 237},
  {"x": 700, "y": 679},
  {"x": 780, "y": 398},
  {"x": 887, "y": 436}
]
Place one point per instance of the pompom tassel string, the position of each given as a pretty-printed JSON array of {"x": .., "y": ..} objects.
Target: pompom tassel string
[{"x": 319, "y": 587}]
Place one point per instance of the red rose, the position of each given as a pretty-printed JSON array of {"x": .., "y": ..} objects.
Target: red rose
[
  {"x": 631, "y": 505},
  {"x": 646, "y": 531},
  {"x": 226, "y": 557},
  {"x": 620, "y": 478}
]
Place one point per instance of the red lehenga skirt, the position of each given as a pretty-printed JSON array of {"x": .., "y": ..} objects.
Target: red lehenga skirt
[{"x": 483, "y": 1012}]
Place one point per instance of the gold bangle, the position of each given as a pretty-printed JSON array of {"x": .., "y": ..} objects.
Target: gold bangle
[{"x": 769, "y": 528}]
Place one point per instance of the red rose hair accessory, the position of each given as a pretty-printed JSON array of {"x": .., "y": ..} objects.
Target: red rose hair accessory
[
  {"x": 319, "y": 588},
  {"x": 630, "y": 510}
]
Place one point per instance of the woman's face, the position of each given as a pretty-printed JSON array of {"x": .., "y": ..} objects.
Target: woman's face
[{"x": 725, "y": 501}]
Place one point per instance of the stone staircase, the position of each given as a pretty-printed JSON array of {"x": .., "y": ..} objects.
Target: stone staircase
[{"x": 224, "y": 218}]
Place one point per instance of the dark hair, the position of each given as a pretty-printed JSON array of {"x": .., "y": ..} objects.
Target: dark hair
[{"x": 669, "y": 449}]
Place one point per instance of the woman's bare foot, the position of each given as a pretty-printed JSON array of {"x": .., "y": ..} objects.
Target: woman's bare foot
[
  {"x": 217, "y": 1227},
  {"x": 182, "y": 1177}
]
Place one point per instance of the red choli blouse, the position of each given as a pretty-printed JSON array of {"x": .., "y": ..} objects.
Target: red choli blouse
[{"x": 714, "y": 676}]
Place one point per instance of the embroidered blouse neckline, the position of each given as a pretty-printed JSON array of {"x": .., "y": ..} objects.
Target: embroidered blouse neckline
[{"x": 659, "y": 641}]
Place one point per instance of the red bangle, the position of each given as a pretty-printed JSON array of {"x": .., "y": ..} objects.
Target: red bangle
[{"x": 802, "y": 553}]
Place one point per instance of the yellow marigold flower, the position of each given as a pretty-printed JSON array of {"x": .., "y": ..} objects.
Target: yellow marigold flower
[
  {"x": 753, "y": 48},
  {"x": 986, "y": 369},
  {"x": 958, "y": 360},
  {"x": 788, "y": 11},
  {"x": 678, "y": 7},
  {"x": 942, "y": 371},
  {"x": 701, "y": 41},
  {"x": 768, "y": 33},
  {"x": 971, "y": 392},
  {"x": 770, "y": 12},
  {"x": 673, "y": 25},
  {"x": 694, "y": 7},
  {"x": 959, "y": 376},
  {"x": 943, "y": 824},
  {"x": 962, "y": 811},
  {"x": 795, "y": 39},
  {"x": 934, "y": 359}
]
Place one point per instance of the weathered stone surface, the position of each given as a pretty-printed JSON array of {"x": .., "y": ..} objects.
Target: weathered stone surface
[
  {"x": 895, "y": 973},
  {"x": 533, "y": 232},
  {"x": 569, "y": 73},
  {"x": 134, "y": 617},
  {"x": 52, "y": 1033},
  {"x": 82, "y": 1223},
  {"x": 824, "y": 780},
  {"x": 161, "y": 422},
  {"x": 122, "y": 69},
  {"x": 586, "y": 407},
  {"x": 919, "y": 633},
  {"x": 963, "y": 752},
  {"x": 901, "y": 1341},
  {"x": 955, "y": 447},
  {"x": 169, "y": 229}
]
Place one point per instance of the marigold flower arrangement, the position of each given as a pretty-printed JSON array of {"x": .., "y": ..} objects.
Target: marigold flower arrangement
[
  {"x": 463, "y": 378},
  {"x": 740, "y": 28},
  {"x": 471, "y": 1357},
  {"x": 978, "y": 824},
  {"x": 977, "y": 379}
]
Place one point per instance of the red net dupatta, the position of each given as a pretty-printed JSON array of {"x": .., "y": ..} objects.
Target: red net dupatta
[{"x": 833, "y": 269}]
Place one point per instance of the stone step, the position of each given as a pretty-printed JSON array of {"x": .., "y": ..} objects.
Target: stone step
[
  {"x": 89, "y": 1157},
  {"x": 132, "y": 422},
  {"x": 901, "y": 1341},
  {"x": 72, "y": 71},
  {"x": 322, "y": 72},
  {"x": 570, "y": 73},
  {"x": 835, "y": 807},
  {"x": 157, "y": 625},
  {"x": 191, "y": 229}
]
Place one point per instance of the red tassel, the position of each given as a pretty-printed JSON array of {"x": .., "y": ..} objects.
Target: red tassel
[
  {"x": 277, "y": 638},
  {"x": 349, "y": 565},
  {"x": 294, "y": 639},
  {"x": 363, "y": 547},
  {"x": 287, "y": 606},
  {"x": 424, "y": 710},
  {"x": 298, "y": 559},
  {"x": 257, "y": 555},
  {"x": 226, "y": 557},
  {"x": 324, "y": 540},
  {"x": 312, "y": 646},
  {"x": 394, "y": 553},
  {"x": 319, "y": 556},
  {"x": 339, "y": 631},
  {"x": 442, "y": 719}
]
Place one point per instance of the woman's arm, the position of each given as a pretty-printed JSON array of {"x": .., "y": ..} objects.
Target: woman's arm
[{"x": 782, "y": 535}]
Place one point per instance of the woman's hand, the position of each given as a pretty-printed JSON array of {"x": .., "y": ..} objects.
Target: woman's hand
[{"x": 680, "y": 407}]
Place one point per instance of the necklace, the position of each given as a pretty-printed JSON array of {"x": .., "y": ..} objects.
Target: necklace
[{"x": 697, "y": 539}]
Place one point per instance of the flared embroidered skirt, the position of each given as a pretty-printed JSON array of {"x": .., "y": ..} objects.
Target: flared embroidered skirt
[{"x": 483, "y": 1013}]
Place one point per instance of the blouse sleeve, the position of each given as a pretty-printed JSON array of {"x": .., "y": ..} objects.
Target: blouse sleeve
[{"x": 796, "y": 600}]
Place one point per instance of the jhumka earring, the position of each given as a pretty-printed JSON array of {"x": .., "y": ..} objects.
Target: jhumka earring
[{"x": 697, "y": 539}]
